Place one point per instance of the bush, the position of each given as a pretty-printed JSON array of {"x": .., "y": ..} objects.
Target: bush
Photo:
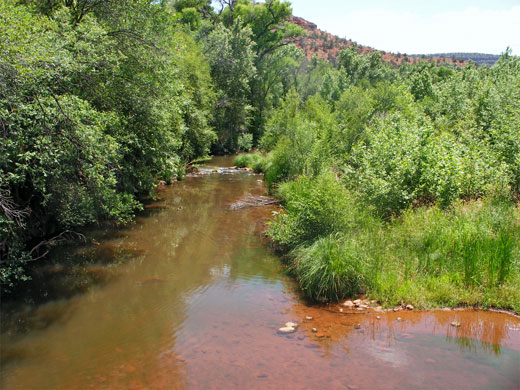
[
  {"x": 404, "y": 162},
  {"x": 245, "y": 142},
  {"x": 291, "y": 156},
  {"x": 314, "y": 207},
  {"x": 385, "y": 169}
]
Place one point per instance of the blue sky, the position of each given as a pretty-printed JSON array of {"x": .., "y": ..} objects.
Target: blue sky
[{"x": 419, "y": 26}]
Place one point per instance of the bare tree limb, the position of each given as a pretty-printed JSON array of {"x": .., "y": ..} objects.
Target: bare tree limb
[{"x": 10, "y": 209}]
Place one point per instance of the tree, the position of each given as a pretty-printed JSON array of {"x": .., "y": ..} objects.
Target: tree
[{"x": 231, "y": 59}]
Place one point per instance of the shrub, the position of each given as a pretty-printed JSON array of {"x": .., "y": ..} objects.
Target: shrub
[
  {"x": 314, "y": 207},
  {"x": 385, "y": 169},
  {"x": 404, "y": 162},
  {"x": 245, "y": 142}
]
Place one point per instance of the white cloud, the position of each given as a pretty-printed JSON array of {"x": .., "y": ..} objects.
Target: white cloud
[{"x": 470, "y": 30}]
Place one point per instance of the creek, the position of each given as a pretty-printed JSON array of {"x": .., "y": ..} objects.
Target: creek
[{"x": 190, "y": 296}]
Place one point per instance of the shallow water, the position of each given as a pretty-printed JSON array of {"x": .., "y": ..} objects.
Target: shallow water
[{"x": 191, "y": 297}]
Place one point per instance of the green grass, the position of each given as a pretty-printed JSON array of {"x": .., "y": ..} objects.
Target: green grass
[
  {"x": 329, "y": 268},
  {"x": 257, "y": 161},
  {"x": 467, "y": 255}
]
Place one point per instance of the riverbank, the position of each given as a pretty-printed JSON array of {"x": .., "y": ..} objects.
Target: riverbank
[{"x": 431, "y": 257}]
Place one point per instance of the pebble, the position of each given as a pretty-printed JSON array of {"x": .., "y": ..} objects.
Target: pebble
[
  {"x": 341, "y": 310},
  {"x": 348, "y": 304},
  {"x": 308, "y": 318},
  {"x": 287, "y": 329},
  {"x": 378, "y": 318},
  {"x": 363, "y": 306},
  {"x": 409, "y": 307},
  {"x": 291, "y": 324},
  {"x": 357, "y": 302},
  {"x": 455, "y": 324},
  {"x": 398, "y": 318},
  {"x": 314, "y": 330}
]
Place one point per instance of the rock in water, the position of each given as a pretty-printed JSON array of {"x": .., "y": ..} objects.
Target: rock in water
[
  {"x": 287, "y": 329},
  {"x": 455, "y": 324},
  {"x": 291, "y": 324},
  {"x": 348, "y": 304},
  {"x": 409, "y": 307}
]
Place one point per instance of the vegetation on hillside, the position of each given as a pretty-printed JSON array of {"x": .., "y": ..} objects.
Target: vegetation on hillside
[{"x": 398, "y": 180}]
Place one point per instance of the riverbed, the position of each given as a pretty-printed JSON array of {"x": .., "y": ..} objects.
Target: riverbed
[{"x": 191, "y": 296}]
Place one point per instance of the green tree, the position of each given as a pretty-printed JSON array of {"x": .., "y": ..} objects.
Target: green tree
[{"x": 231, "y": 59}]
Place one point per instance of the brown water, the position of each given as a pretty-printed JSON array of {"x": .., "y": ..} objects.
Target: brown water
[{"x": 191, "y": 297}]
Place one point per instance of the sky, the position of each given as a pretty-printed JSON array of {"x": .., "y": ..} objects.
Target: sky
[{"x": 419, "y": 26}]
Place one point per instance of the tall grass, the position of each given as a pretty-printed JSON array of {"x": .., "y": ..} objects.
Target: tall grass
[
  {"x": 478, "y": 241},
  {"x": 330, "y": 268}
]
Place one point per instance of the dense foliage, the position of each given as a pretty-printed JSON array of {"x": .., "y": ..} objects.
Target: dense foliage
[{"x": 93, "y": 111}]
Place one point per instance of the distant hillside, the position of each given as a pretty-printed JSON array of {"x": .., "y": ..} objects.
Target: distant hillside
[
  {"x": 328, "y": 46},
  {"x": 479, "y": 58}
]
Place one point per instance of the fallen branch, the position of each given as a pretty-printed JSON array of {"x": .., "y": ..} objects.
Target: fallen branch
[{"x": 48, "y": 244}]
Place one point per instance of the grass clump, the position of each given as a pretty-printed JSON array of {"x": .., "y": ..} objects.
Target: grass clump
[
  {"x": 330, "y": 269},
  {"x": 256, "y": 161}
]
